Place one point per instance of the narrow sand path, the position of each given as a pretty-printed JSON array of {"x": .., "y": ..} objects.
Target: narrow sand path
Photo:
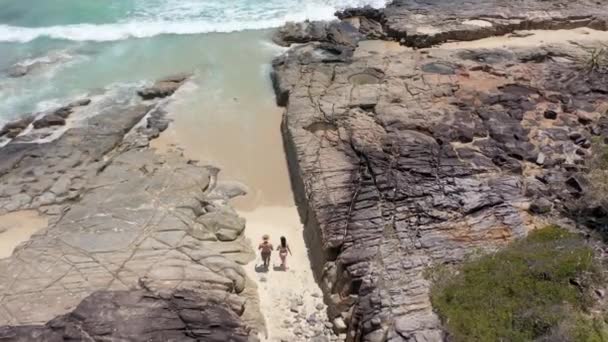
[
  {"x": 229, "y": 120},
  {"x": 290, "y": 300}
]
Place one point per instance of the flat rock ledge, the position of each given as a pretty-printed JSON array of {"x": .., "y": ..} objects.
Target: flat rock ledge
[
  {"x": 140, "y": 246},
  {"x": 404, "y": 159},
  {"x": 138, "y": 316},
  {"x": 421, "y": 24}
]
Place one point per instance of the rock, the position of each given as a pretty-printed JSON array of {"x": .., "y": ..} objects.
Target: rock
[
  {"x": 344, "y": 34},
  {"x": 540, "y": 160},
  {"x": 294, "y": 308},
  {"x": 17, "y": 70},
  {"x": 80, "y": 103},
  {"x": 541, "y": 206},
  {"x": 376, "y": 322},
  {"x": 339, "y": 325},
  {"x": 550, "y": 114},
  {"x": 229, "y": 190},
  {"x": 442, "y": 164},
  {"x": 63, "y": 112},
  {"x": 158, "y": 90},
  {"x": 133, "y": 208},
  {"x": 320, "y": 306},
  {"x": 600, "y": 293},
  {"x": 338, "y": 33},
  {"x": 575, "y": 136},
  {"x": 459, "y": 20},
  {"x": 129, "y": 316},
  {"x": 312, "y": 319},
  {"x": 164, "y": 87},
  {"x": 226, "y": 226},
  {"x": 300, "y": 32},
  {"x": 14, "y": 128},
  {"x": 177, "y": 78},
  {"x": 48, "y": 121},
  {"x": 584, "y": 118}
]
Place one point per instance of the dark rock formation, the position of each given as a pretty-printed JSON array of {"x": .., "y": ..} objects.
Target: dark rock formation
[
  {"x": 425, "y": 23},
  {"x": 138, "y": 316},
  {"x": 405, "y": 159},
  {"x": 340, "y": 33},
  {"x": 14, "y": 128},
  {"x": 164, "y": 87},
  {"x": 50, "y": 120},
  {"x": 55, "y": 117}
]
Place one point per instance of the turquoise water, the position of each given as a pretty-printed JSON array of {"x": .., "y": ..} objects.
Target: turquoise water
[{"x": 81, "y": 46}]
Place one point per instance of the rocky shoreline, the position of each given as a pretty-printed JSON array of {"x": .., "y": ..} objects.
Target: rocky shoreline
[
  {"x": 403, "y": 158},
  {"x": 140, "y": 246},
  {"x": 404, "y": 154}
]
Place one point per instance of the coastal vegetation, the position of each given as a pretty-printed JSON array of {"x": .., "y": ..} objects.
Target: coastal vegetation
[
  {"x": 595, "y": 202},
  {"x": 537, "y": 288}
]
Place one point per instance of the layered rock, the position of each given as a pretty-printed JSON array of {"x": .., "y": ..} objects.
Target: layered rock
[
  {"x": 164, "y": 87},
  {"x": 139, "y": 245},
  {"x": 425, "y": 23},
  {"x": 406, "y": 159},
  {"x": 138, "y": 316}
]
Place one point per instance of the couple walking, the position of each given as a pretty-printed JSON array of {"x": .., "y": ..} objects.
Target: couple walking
[{"x": 266, "y": 249}]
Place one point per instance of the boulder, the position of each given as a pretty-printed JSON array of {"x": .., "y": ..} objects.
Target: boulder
[
  {"x": 541, "y": 206},
  {"x": 302, "y": 32},
  {"x": 48, "y": 121},
  {"x": 225, "y": 225},
  {"x": 163, "y": 87},
  {"x": 13, "y": 128}
]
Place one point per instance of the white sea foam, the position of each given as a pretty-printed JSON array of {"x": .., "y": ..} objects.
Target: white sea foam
[{"x": 188, "y": 19}]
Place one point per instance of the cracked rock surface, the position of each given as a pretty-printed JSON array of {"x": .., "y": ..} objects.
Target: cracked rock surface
[
  {"x": 138, "y": 316},
  {"x": 138, "y": 245},
  {"x": 403, "y": 159}
]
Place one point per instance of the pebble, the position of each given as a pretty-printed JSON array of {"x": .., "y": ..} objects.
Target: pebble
[
  {"x": 320, "y": 306},
  {"x": 312, "y": 319}
]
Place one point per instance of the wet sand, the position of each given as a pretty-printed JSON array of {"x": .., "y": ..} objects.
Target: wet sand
[{"x": 17, "y": 227}]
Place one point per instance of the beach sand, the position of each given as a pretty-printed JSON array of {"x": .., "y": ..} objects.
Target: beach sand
[{"x": 17, "y": 227}]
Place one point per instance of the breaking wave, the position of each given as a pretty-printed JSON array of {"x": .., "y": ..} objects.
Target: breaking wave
[{"x": 222, "y": 16}]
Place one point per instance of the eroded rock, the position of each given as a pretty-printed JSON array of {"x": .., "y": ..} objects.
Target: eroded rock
[
  {"x": 164, "y": 87},
  {"x": 138, "y": 315},
  {"x": 402, "y": 160}
]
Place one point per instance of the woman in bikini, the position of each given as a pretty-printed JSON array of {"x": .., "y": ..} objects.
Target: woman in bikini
[
  {"x": 266, "y": 250},
  {"x": 283, "y": 249}
]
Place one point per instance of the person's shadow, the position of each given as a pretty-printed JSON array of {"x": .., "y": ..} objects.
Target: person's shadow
[
  {"x": 278, "y": 268},
  {"x": 261, "y": 268}
]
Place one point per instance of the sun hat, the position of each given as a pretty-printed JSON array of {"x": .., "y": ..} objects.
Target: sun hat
[{"x": 265, "y": 237}]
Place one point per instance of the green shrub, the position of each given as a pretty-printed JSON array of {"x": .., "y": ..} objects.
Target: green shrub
[{"x": 520, "y": 293}]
